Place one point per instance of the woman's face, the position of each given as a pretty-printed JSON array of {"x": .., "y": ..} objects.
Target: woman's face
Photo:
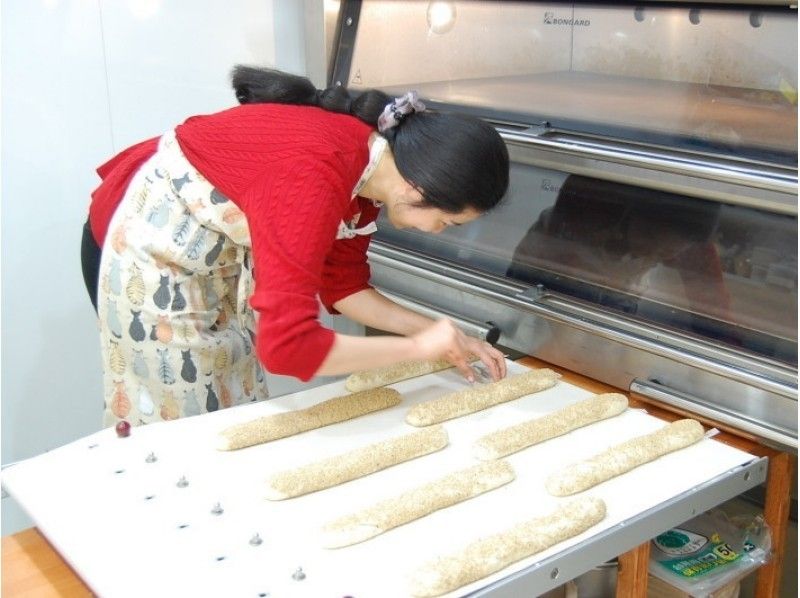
[
  {"x": 428, "y": 220},
  {"x": 410, "y": 212}
]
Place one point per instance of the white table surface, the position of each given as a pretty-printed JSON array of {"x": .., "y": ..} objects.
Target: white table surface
[{"x": 90, "y": 497}]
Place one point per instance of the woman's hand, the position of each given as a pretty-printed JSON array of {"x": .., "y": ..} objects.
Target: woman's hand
[
  {"x": 494, "y": 359},
  {"x": 444, "y": 339}
]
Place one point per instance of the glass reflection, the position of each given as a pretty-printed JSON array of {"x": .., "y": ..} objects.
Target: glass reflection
[
  {"x": 722, "y": 272},
  {"x": 680, "y": 261}
]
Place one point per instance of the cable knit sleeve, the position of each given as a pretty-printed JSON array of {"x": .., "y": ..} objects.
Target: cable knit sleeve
[
  {"x": 346, "y": 270},
  {"x": 293, "y": 214}
]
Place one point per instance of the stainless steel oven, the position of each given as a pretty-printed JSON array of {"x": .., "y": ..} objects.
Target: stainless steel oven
[{"x": 649, "y": 237}]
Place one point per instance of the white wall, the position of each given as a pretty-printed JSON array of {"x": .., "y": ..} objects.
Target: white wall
[{"x": 81, "y": 80}]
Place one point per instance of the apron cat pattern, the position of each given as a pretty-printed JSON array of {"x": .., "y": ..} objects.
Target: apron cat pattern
[
  {"x": 175, "y": 275},
  {"x": 177, "y": 331}
]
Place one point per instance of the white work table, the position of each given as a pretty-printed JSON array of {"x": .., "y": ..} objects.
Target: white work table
[{"x": 128, "y": 529}]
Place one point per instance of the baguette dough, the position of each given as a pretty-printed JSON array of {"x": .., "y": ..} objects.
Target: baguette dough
[
  {"x": 480, "y": 397},
  {"x": 280, "y": 425},
  {"x": 393, "y": 373},
  {"x": 416, "y": 503},
  {"x": 624, "y": 457},
  {"x": 517, "y": 437},
  {"x": 493, "y": 553},
  {"x": 355, "y": 464}
]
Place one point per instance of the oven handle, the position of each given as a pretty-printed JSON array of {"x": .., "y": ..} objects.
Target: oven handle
[
  {"x": 771, "y": 378},
  {"x": 548, "y": 304},
  {"x": 486, "y": 331},
  {"x": 782, "y": 180},
  {"x": 685, "y": 403}
]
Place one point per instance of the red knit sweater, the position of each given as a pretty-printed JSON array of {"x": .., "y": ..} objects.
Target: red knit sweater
[{"x": 291, "y": 170}]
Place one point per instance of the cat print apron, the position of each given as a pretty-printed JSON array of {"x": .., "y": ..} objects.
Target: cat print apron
[{"x": 177, "y": 331}]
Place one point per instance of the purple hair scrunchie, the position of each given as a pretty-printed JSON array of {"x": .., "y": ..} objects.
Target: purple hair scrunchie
[{"x": 397, "y": 110}]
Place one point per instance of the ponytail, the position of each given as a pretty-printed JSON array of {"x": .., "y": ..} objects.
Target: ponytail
[
  {"x": 455, "y": 161},
  {"x": 255, "y": 85}
]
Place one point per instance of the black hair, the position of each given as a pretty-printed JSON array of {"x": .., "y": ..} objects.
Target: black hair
[
  {"x": 455, "y": 161},
  {"x": 255, "y": 85}
]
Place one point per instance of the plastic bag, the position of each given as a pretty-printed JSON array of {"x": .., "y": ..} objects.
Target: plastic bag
[{"x": 710, "y": 551}]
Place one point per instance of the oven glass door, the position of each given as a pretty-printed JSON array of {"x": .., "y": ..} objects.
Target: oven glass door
[{"x": 722, "y": 272}]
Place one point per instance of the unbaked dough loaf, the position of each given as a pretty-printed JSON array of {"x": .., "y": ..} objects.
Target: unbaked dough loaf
[
  {"x": 483, "y": 396},
  {"x": 517, "y": 437},
  {"x": 355, "y": 464},
  {"x": 624, "y": 457},
  {"x": 393, "y": 373},
  {"x": 280, "y": 425},
  {"x": 416, "y": 503},
  {"x": 493, "y": 553}
]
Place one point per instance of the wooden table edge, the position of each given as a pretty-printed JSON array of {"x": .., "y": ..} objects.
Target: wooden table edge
[{"x": 32, "y": 567}]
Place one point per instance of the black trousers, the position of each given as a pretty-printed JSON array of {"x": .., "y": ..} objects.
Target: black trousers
[{"x": 90, "y": 263}]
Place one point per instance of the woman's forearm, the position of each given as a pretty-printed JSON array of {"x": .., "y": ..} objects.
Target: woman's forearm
[
  {"x": 351, "y": 353},
  {"x": 422, "y": 338},
  {"x": 370, "y": 308}
]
